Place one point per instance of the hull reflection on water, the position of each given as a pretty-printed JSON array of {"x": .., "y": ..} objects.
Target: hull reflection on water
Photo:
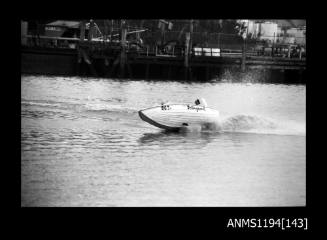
[{"x": 181, "y": 138}]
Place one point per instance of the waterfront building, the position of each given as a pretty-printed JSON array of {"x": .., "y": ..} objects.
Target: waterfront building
[{"x": 277, "y": 31}]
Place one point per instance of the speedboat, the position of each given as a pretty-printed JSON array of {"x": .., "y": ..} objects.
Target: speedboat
[{"x": 177, "y": 116}]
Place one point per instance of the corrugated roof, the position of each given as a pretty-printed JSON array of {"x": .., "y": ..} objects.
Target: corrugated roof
[
  {"x": 291, "y": 23},
  {"x": 62, "y": 23}
]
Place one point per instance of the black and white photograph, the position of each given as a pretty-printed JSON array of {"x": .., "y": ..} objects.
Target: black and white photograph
[{"x": 163, "y": 112}]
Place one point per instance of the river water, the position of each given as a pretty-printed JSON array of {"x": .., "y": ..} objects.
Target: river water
[{"x": 83, "y": 144}]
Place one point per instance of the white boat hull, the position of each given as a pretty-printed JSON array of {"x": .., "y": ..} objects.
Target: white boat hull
[{"x": 176, "y": 116}]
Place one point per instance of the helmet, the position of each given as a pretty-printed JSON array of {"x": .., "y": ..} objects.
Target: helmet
[{"x": 201, "y": 101}]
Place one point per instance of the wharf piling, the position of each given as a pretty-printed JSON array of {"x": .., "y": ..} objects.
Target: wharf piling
[
  {"x": 119, "y": 59},
  {"x": 243, "y": 56}
]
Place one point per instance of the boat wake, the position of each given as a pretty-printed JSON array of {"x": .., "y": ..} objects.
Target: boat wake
[
  {"x": 243, "y": 123},
  {"x": 97, "y": 107},
  {"x": 109, "y": 108},
  {"x": 261, "y": 125}
]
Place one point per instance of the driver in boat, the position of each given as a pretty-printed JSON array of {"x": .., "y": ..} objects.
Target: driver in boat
[{"x": 201, "y": 102}]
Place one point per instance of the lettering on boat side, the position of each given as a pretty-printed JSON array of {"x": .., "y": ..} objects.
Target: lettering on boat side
[
  {"x": 165, "y": 107},
  {"x": 197, "y": 108}
]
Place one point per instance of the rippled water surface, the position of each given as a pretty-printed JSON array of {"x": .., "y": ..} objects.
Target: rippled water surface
[{"x": 83, "y": 144}]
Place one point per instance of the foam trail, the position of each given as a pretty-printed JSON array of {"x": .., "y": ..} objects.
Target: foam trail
[
  {"x": 210, "y": 127},
  {"x": 105, "y": 107},
  {"x": 261, "y": 125},
  {"x": 191, "y": 128},
  {"x": 244, "y": 123}
]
